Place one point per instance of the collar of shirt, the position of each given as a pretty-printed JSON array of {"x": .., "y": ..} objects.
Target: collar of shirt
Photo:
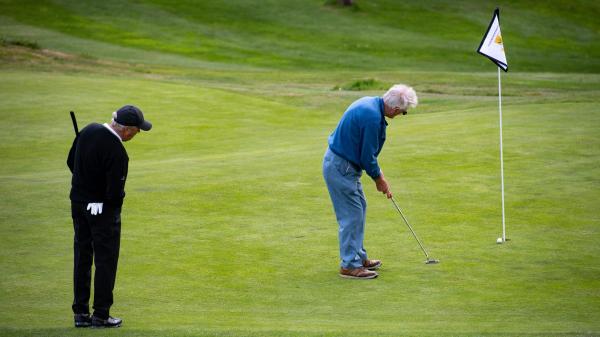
[
  {"x": 382, "y": 109},
  {"x": 113, "y": 131}
]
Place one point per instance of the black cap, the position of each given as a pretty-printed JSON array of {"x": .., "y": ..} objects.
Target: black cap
[{"x": 130, "y": 115}]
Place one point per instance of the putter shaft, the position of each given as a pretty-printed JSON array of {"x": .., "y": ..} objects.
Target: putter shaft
[{"x": 412, "y": 231}]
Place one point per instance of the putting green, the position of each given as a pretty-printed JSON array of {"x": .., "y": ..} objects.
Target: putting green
[{"x": 228, "y": 229}]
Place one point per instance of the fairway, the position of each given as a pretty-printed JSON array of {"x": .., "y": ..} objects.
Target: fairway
[{"x": 228, "y": 228}]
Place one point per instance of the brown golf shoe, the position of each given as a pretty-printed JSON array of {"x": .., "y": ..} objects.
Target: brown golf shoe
[
  {"x": 358, "y": 273},
  {"x": 372, "y": 264}
]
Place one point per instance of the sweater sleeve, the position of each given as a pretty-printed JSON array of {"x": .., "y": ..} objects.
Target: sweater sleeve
[
  {"x": 369, "y": 148},
  {"x": 116, "y": 174}
]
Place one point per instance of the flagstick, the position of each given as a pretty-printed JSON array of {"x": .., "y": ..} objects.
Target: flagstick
[{"x": 501, "y": 156}]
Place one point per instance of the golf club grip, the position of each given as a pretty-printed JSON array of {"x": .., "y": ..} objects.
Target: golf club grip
[{"x": 74, "y": 120}]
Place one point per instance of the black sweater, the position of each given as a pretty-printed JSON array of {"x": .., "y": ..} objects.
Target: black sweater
[{"x": 99, "y": 164}]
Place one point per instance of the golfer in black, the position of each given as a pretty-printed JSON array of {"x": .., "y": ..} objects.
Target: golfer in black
[{"x": 98, "y": 161}]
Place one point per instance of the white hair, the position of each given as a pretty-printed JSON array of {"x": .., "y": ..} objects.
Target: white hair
[
  {"x": 117, "y": 125},
  {"x": 401, "y": 96}
]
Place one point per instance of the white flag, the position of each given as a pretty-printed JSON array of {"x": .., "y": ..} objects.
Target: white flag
[{"x": 491, "y": 46}]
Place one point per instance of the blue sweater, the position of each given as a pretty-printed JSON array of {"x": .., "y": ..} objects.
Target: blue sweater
[{"x": 360, "y": 134}]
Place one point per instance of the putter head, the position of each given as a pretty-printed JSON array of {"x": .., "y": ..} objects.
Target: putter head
[{"x": 432, "y": 261}]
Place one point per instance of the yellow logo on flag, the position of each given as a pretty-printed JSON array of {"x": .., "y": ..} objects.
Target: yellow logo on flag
[{"x": 498, "y": 39}]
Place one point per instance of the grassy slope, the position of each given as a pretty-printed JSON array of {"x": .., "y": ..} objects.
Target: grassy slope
[
  {"x": 227, "y": 221},
  {"x": 439, "y": 35}
]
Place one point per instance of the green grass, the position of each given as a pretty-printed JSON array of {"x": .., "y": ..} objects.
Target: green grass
[
  {"x": 228, "y": 229},
  {"x": 439, "y": 35}
]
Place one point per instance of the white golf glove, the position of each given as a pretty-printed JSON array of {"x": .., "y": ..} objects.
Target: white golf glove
[{"x": 95, "y": 208}]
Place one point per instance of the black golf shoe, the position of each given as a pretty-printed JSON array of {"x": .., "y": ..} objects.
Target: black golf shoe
[
  {"x": 82, "y": 320},
  {"x": 110, "y": 322}
]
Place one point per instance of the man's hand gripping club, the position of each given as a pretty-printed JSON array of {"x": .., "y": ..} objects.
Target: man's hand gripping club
[{"x": 383, "y": 186}]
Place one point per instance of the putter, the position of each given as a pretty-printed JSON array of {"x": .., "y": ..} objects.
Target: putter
[
  {"x": 74, "y": 123},
  {"x": 428, "y": 260}
]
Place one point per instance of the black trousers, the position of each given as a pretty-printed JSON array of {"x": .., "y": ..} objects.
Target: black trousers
[{"x": 97, "y": 238}]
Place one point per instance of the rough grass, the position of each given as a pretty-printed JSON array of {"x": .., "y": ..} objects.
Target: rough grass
[{"x": 441, "y": 35}]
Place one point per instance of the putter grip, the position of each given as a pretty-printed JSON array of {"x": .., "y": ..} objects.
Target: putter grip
[{"x": 74, "y": 123}]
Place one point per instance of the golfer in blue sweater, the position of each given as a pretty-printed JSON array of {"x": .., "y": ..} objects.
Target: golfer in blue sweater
[{"x": 354, "y": 147}]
